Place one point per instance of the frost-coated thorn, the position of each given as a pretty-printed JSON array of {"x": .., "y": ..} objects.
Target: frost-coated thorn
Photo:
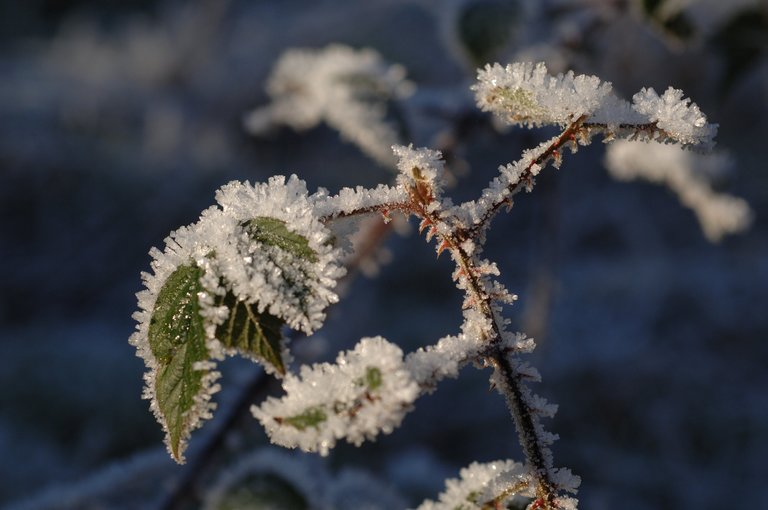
[{"x": 444, "y": 244}]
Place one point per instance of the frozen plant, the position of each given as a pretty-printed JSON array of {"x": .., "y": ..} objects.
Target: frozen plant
[{"x": 265, "y": 258}]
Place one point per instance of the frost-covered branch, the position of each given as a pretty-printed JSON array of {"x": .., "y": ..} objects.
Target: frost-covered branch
[
  {"x": 477, "y": 215},
  {"x": 524, "y": 93},
  {"x": 484, "y": 298},
  {"x": 268, "y": 257}
]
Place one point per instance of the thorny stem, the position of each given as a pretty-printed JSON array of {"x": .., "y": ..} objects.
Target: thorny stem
[
  {"x": 496, "y": 502},
  {"x": 569, "y": 135},
  {"x": 512, "y": 384}
]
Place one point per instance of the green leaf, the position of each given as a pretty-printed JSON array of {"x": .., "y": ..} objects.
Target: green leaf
[
  {"x": 273, "y": 232},
  {"x": 262, "y": 492},
  {"x": 373, "y": 378},
  {"x": 252, "y": 333},
  {"x": 312, "y": 417},
  {"x": 520, "y": 103},
  {"x": 177, "y": 340}
]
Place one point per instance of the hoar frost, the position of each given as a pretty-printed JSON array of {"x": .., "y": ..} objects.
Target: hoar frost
[
  {"x": 525, "y": 93},
  {"x": 261, "y": 253},
  {"x": 267, "y": 275},
  {"x": 368, "y": 390},
  {"x": 479, "y": 486},
  {"x": 266, "y": 256}
]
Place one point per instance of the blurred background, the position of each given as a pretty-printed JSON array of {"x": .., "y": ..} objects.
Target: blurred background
[{"x": 119, "y": 120}]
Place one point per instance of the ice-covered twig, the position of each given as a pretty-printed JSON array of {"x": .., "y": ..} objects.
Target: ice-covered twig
[
  {"x": 483, "y": 323},
  {"x": 476, "y": 215},
  {"x": 525, "y": 93}
]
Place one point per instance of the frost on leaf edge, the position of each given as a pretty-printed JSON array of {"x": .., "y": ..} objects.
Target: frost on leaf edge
[{"x": 205, "y": 245}]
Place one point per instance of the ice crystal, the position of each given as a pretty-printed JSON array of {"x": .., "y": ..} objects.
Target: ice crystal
[
  {"x": 480, "y": 486},
  {"x": 282, "y": 265},
  {"x": 423, "y": 166},
  {"x": 349, "y": 200},
  {"x": 295, "y": 288},
  {"x": 428, "y": 365},
  {"x": 347, "y": 88},
  {"x": 524, "y": 93},
  {"x": 681, "y": 120},
  {"x": 368, "y": 390}
]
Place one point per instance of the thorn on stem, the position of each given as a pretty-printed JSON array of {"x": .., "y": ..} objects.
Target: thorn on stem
[{"x": 443, "y": 245}]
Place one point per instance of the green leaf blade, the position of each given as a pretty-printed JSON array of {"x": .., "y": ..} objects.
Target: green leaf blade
[
  {"x": 274, "y": 232},
  {"x": 252, "y": 333},
  {"x": 312, "y": 417},
  {"x": 178, "y": 342}
]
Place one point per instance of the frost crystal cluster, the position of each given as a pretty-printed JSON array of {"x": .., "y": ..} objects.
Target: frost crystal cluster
[
  {"x": 226, "y": 285},
  {"x": 267, "y": 257},
  {"x": 524, "y": 93},
  {"x": 366, "y": 391},
  {"x": 495, "y": 484}
]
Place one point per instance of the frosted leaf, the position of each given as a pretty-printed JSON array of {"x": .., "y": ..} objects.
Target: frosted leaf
[
  {"x": 174, "y": 338},
  {"x": 681, "y": 120},
  {"x": 284, "y": 262},
  {"x": 419, "y": 165},
  {"x": 226, "y": 285},
  {"x": 688, "y": 175},
  {"x": 482, "y": 486},
  {"x": 368, "y": 390},
  {"x": 348, "y": 89},
  {"x": 524, "y": 93}
]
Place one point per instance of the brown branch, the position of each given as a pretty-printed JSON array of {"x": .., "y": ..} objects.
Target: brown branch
[
  {"x": 526, "y": 178},
  {"x": 512, "y": 382}
]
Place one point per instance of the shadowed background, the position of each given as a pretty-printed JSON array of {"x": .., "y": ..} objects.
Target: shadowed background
[{"x": 118, "y": 121}]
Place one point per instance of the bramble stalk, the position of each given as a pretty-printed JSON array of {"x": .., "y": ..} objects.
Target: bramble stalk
[
  {"x": 568, "y": 135},
  {"x": 511, "y": 381}
]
